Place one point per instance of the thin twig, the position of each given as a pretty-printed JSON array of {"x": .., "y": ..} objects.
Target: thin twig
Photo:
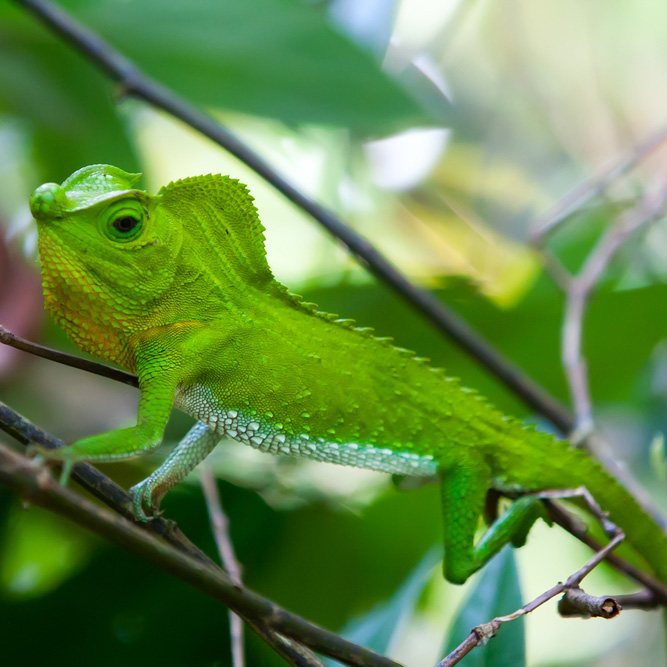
[
  {"x": 482, "y": 633},
  {"x": 223, "y": 540},
  {"x": 577, "y": 529},
  {"x": 219, "y": 524},
  {"x": 611, "y": 529},
  {"x": 592, "y": 187},
  {"x": 136, "y": 84},
  {"x": 579, "y": 291},
  {"x": 176, "y": 554},
  {"x": 645, "y": 600},
  {"x": 295, "y": 654},
  {"x": 8, "y": 338}
]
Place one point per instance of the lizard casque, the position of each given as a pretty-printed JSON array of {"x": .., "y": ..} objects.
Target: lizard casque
[{"x": 176, "y": 288}]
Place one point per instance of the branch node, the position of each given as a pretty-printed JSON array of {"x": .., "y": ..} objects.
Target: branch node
[
  {"x": 577, "y": 603},
  {"x": 486, "y": 631}
]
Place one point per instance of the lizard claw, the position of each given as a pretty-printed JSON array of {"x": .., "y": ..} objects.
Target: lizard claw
[{"x": 142, "y": 496}]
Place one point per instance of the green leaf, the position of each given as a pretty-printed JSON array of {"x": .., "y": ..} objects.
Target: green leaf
[
  {"x": 275, "y": 58},
  {"x": 497, "y": 592},
  {"x": 377, "y": 628},
  {"x": 39, "y": 551},
  {"x": 658, "y": 456},
  {"x": 63, "y": 104}
]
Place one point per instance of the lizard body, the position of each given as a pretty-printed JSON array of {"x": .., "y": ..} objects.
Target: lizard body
[{"x": 176, "y": 288}]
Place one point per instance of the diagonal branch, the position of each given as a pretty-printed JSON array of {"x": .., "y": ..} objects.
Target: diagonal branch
[
  {"x": 161, "y": 542},
  {"x": 35, "y": 483},
  {"x": 135, "y": 83}
]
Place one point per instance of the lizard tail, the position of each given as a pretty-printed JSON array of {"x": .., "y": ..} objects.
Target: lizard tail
[
  {"x": 641, "y": 530},
  {"x": 557, "y": 466}
]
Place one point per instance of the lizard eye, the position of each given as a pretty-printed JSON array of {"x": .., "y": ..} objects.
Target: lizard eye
[{"x": 125, "y": 224}]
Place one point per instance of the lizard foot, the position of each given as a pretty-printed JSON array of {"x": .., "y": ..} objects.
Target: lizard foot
[
  {"x": 142, "y": 496},
  {"x": 531, "y": 509}
]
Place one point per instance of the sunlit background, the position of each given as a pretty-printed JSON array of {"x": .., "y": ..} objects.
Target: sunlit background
[{"x": 441, "y": 131}]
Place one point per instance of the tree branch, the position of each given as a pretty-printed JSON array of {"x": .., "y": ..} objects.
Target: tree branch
[
  {"x": 578, "y": 603},
  {"x": 299, "y": 656},
  {"x": 136, "y": 84},
  {"x": 577, "y": 529},
  {"x": 578, "y": 290},
  {"x": 176, "y": 554}
]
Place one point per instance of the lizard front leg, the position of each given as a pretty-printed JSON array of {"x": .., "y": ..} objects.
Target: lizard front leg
[
  {"x": 190, "y": 451},
  {"x": 157, "y": 382}
]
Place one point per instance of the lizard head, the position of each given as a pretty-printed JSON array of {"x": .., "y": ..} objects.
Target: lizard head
[{"x": 106, "y": 254}]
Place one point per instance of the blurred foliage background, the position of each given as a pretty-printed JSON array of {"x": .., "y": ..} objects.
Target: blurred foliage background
[{"x": 350, "y": 100}]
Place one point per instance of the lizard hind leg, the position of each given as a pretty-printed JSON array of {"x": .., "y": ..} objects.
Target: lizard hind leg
[
  {"x": 190, "y": 451},
  {"x": 464, "y": 489}
]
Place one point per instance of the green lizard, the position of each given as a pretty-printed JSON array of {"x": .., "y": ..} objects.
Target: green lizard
[{"x": 176, "y": 288}]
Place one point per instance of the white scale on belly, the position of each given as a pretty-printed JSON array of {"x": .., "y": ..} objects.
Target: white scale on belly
[{"x": 198, "y": 401}]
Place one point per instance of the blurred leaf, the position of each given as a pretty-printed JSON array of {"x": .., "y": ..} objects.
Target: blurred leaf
[
  {"x": 658, "y": 455},
  {"x": 39, "y": 552},
  {"x": 497, "y": 592},
  {"x": 275, "y": 58},
  {"x": 378, "y": 628},
  {"x": 62, "y": 103},
  {"x": 369, "y": 23},
  {"x": 20, "y": 306}
]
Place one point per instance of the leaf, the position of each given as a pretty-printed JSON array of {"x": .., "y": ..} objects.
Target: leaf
[
  {"x": 275, "y": 58},
  {"x": 63, "y": 104},
  {"x": 658, "y": 456},
  {"x": 368, "y": 23},
  {"x": 497, "y": 592},
  {"x": 40, "y": 551},
  {"x": 377, "y": 629}
]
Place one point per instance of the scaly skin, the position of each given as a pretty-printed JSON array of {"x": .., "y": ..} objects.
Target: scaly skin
[{"x": 176, "y": 288}]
